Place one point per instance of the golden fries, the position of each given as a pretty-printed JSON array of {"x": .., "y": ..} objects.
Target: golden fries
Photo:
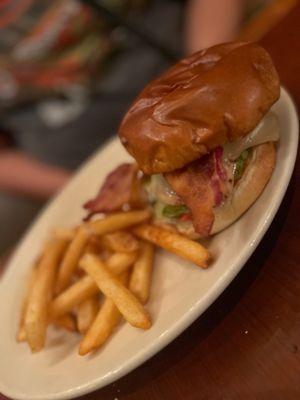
[
  {"x": 175, "y": 243},
  {"x": 71, "y": 297},
  {"x": 99, "y": 227},
  {"x": 37, "y": 308},
  {"x": 86, "y": 287},
  {"x": 105, "y": 322},
  {"x": 71, "y": 258},
  {"x": 141, "y": 273},
  {"x": 120, "y": 242},
  {"x": 120, "y": 262},
  {"x": 86, "y": 313},
  {"x": 105, "y": 250},
  {"x": 115, "y": 222},
  {"x": 93, "y": 245},
  {"x": 65, "y": 233},
  {"x": 21, "y": 334},
  {"x": 128, "y": 305},
  {"x": 67, "y": 322}
]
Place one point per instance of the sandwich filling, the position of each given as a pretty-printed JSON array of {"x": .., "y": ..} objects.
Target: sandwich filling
[
  {"x": 192, "y": 193},
  {"x": 189, "y": 196}
]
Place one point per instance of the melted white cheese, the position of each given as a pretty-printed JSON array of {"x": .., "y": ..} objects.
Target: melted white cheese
[
  {"x": 159, "y": 189},
  {"x": 266, "y": 131}
]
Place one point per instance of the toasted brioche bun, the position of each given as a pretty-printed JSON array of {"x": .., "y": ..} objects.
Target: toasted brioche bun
[
  {"x": 244, "y": 194},
  {"x": 206, "y": 100}
]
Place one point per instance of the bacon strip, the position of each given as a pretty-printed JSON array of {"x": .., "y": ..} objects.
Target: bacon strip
[
  {"x": 121, "y": 187},
  {"x": 198, "y": 184}
]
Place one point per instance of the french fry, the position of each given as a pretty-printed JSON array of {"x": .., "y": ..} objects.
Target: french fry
[
  {"x": 175, "y": 243},
  {"x": 103, "y": 325},
  {"x": 86, "y": 286},
  {"x": 120, "y": 262},
  {"x": 119, "y": 241},
  {"x": 117, "y": 221},
  {"x": 108, "y": 224},
  {"x": 140, "y": 279},
  {"x": 86, "y": 313},
  {"x": 77, "y": 293},
  {"x": 106, "y": 320},
  {"x": 93, "y": 245},
  {"x": 65, "y": 233},
  {"x": 21, "y": 334},
  {"x": 36, "y": 315},
  {"x": 67, "y": 322},
  {"x": 105, "y": 255},
  {"x": 71, "y": 258},
  {"x": 128, "y": 305}
]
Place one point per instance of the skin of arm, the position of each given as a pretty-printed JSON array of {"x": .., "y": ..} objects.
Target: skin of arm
[
  {"x": 209, "y": 22},
  {"x": 22, "y": 175}
]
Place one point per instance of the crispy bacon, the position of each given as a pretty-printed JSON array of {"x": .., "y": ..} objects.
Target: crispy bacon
[
  {"x": 199, "y": 184},
  {"x": 121, "y": 187},
  {"x": 218, "y": 153}
]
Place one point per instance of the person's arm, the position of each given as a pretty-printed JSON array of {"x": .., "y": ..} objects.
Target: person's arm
[
  {"x": 209, "y": 22},
  {"x": 23, "y": 175}
]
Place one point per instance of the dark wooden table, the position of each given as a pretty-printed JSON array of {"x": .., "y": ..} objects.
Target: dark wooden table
[{"x": 247, "y": 344}]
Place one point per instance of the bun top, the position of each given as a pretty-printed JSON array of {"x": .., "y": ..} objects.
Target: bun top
[{"x": 205, "y": 100}]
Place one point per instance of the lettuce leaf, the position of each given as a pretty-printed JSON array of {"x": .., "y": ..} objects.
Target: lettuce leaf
[
  {"x": 240, "y": 164},
  {"x": 171, "y": 211}
]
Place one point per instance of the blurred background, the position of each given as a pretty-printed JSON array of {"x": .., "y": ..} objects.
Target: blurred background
[{"x": 69, "y": 69}]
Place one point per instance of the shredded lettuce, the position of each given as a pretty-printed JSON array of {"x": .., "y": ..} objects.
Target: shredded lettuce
[{"x": 175, "y": 211}]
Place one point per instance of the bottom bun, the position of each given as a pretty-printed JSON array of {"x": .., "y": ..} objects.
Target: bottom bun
[
  {"x": 244, "y": 194},
  {"x": 248, "y": 189}
]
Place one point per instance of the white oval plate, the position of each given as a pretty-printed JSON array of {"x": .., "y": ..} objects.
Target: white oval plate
[{"x": 181, "y": 292}]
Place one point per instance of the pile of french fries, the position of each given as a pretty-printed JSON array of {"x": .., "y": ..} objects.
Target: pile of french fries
[{"x": 88, "y": 278}]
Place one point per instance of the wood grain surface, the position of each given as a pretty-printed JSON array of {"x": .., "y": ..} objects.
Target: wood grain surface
[{"x": 247, "y": 344}]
